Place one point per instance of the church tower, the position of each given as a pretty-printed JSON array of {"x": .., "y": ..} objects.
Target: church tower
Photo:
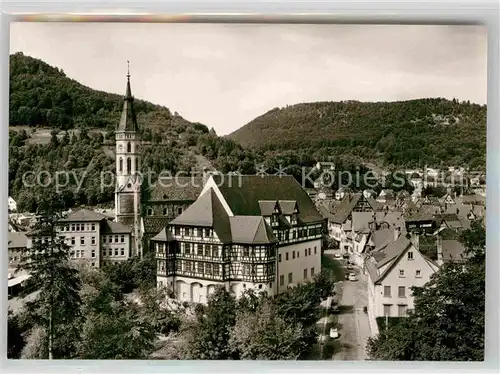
[{"x": 128, "y": 181}]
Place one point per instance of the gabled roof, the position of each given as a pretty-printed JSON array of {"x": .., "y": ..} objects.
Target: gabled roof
[
  {"x": 251, "y": 230},
  {"x": 111, "y": 227},
  {"x": 267, "y": 207},
  {"x": 207, "y": 211},
  {"x": 432, "y": 200},
  {"x": 163, "y": 236},
  {"x": 389, "y": 256},
  {"x": 449, "y": 220},
  {"x": 381, "y": 238},
  {"x": 392, "y": 251},
  {"x": 84, "y": 215},
  {"x": 287, "y": 206},
  {"x": 17, "y": 240},
  {"x": 176, "y": 189},
  {"x": 243, "y": 193},
  {"x": 346, "y": 206}
]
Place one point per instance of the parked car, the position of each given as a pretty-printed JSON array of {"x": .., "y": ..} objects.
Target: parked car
[
  {"x": 350, "y": 267},
  {"x": 353, "y": 277},
  {"x": 345, "y": 255},
  {"x": 338, "y": 255},
  {"x": 334, "y": 333}
]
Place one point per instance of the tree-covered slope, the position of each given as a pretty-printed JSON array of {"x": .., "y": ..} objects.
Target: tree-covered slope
[
  {"x": 404, "y": 133},
  {"x": 42, "y": 95}
]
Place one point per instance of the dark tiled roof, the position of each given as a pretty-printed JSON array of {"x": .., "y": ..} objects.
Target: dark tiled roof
[
  {"x": 153, "y": 225},
  {"x": 345, "y": 207},
  {"x": 453, "y": 250},
  {"x": 207, "y": 211},
  {"x": 392, "y": 251},
  {"x": 243, "y": 193},
  {"x": 176, "y": 189},
  {"x": 372, "y": 270},
  {"x": 251, "y": 230},
  {"x": 362, "y": 220},
  {"x": 381, "y": 238},
  {"x": 17, "y": 240},
  {"x": 391, "y": 254},
  {"x": 84, "y": 215},
  {"x": 473, "y": 199},
  {"x": 348, "y": 203},
  {"x": 111, "y": 227}
]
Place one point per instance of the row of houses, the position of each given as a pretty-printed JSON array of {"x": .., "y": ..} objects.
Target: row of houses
[
  {"x": 400, "y": 244},
  {"x": 246, "y": 232},
  {"x": 93, "y": 239}
]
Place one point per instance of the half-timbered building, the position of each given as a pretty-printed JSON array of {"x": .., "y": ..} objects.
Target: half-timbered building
[{"x": 243, "y": 232}]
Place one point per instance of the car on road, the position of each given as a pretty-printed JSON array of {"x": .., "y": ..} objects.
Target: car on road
[
  {"x": 353, "y": 277},
  {"x": 345, "y": 255},
  {"x": 338, "y": 255},
  {"x": 334, "y": 333},
  {"x": 350, "y": 267}
]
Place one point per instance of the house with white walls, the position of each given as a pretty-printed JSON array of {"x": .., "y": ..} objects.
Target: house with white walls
[
  {"x": 392, "y": 272},
  {"x": 243, "y": 232}
]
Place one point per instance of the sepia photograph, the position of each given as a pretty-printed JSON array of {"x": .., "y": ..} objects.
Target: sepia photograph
[{"x": 246, "y": 191}]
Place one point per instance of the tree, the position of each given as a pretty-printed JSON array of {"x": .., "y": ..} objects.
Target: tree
[
  {"x": 208, "y": 336},
  {"x": 447, "y": 323},
  {"x": 56, "y": 310},
  {"x": 263, "y": 334},
  {"x": 120, "y": 334},
  {"x": 15, "y": 337}
]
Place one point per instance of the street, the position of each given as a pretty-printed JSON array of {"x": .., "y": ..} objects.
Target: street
[{"x": 352, "y": 320}]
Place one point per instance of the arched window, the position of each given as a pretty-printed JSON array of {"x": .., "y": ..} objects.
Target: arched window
[
  {"x": 129, "y": 165},
  {"x": 121, "y": 165},
  {"x": 129, "y": 147},
  {"x": 136, "y": 165}
]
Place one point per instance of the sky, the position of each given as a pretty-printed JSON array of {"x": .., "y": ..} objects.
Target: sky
[{"x": 225, "y": 75}]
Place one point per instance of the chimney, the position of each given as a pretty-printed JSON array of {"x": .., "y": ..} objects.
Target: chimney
[
  {"x": 439, "y": 247},
  {"x": 415, "y": 239}
]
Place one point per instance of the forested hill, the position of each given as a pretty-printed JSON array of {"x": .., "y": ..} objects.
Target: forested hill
[
  {"x": 404, "y": 133},
  {"x": 42, "y": 95}
]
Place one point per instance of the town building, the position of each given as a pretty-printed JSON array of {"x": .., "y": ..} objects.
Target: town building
[
  {"x": 143, "y": 206},
  {"x": 392, "y": 272},
  {"x": 94, "y": 239},
  {"x": 371, "y": 231},
  {"x": 386, "y": 196},
  {"x": 243, "y": 232},
  {"x": 17, "y": 245},
  {"x": 352, "y": 202}
]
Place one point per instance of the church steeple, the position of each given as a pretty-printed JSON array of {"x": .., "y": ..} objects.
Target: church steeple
[{"x": 128, "y": 121}]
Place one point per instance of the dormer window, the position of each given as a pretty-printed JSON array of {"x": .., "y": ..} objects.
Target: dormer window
[
  {"x": 274, "y": 220},
  {"x": 293, "y": 219}
]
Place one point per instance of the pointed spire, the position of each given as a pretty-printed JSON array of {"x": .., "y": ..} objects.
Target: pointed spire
[
  {"x": 128, "y": 120},
  {"x": 128, "y": 92}
]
